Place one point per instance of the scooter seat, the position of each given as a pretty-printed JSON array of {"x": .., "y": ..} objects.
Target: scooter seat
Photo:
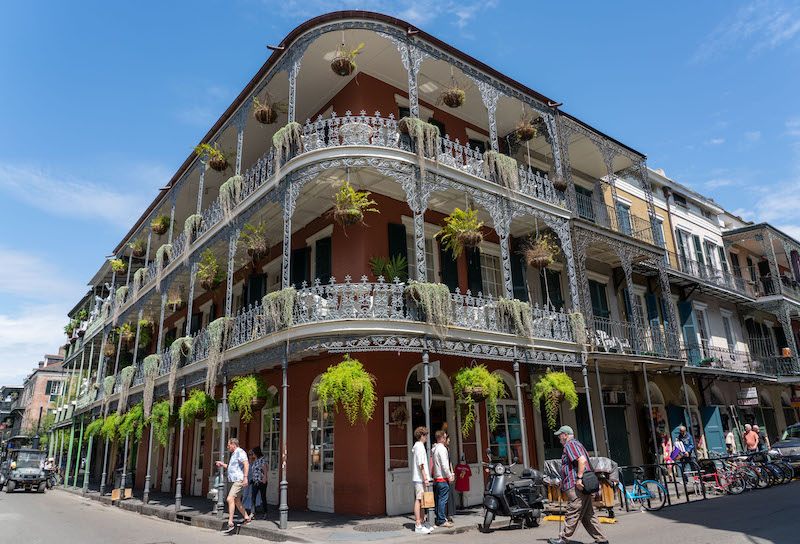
[{"x": 520, "y": 483}]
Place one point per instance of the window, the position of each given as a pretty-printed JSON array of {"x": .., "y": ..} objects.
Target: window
[
  {"x": 412, "y": 257},
  {"x": 255, "y": 289},
  {"x": 53, "y": 389},
  {"x": 708, "y": 215},
  {"x": 680, "y": 200},
  {"x": 271, "y": 437},
  {"x": 506, "y": 439},
  {"x": 737, "y": 271},
  {"x": 550, "y": 281},
  {"x": 477, "y": 144},
  {"x": 321, "y": 442},
  {"x": 698, "y": 252},
  {"x": 197, "y": 322},
  {"x": 710, "y": 248},
  {"x": 624, "y": 218},
  {"x": 492, "y": 279},
  {"x": 658, "y": 233},
  {"x": 726, "y": 324},
  {"x": 597, "y": 291},
  {"x": 723, "y": 264},
  {"x": 702, "y": 330}
]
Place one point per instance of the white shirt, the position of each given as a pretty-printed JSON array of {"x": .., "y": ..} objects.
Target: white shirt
[
  {"x": 729, "y": 438},
  {"x": 236, "y": 465},
  {"x": 419, "y": 457}
]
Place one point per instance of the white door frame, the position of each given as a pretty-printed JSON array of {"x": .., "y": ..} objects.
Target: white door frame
[
  {"x": 475, "y": 494},
  {"x": 320, "y": 492},
  {"x": 273, "y": 475},
  {"x": 399, "y": 487},
  {"x": 197, "y": 479}
]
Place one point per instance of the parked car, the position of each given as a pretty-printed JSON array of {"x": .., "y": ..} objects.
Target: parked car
[
  {"x": 789, "y": 445},
  {"x": 21, "y": 470}
]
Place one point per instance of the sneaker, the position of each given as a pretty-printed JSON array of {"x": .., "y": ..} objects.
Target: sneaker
[
  {"x": 422, "y": 529},
  {"x": 229, "y": 529},
  {"x": 428, "y": 526},
  {"x": 247, "y": 520}
]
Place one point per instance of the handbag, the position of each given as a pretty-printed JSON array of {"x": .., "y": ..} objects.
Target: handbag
[
  {"x": 591, "y": 484},
  {"x": 427, "y": 500}
]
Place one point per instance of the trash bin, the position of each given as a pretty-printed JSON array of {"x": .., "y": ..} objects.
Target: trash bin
[{"x": 130, "y": 477}]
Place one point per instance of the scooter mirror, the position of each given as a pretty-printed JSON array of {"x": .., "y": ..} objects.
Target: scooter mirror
[
  {"x": 515, "y": 460},
  {"x": 489, "y": 453}
]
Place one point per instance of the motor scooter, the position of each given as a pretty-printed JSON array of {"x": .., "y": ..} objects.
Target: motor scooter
[{"x": 520, "y": 499}]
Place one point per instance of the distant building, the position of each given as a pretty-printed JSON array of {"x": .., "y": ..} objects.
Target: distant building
[{"x": 41, "y": 389}]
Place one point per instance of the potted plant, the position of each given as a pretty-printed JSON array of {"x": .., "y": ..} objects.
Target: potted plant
[
  {"x": 279, "y": 308},
  {"x": 343, "y": 63},
  {"x": 160, "y": 224},
  {"x": 461, "y": 229},
  {"x": 127, "y": 334},
  {"x": 161, "y": 420},
  {"x": 145, "y": 332},
  {"x": 175, "y": 299},
  {"x": 213, "y": 157},
  {"x": 119, "y": 266},
  {"x": 349, "y": 385},
  {"x": 389, "y": 268},
  {"x": 199, "y": 405},
  {"x": 83, "y": 315},
  {"x": 133, "y": 423},
  {"x": 208, "y": 271},
  {"x": 453, "y": 95},
  {"x": 433, "y": 300},
  {"x": 517, "y": 313},
  {"x": 247, "y": 395},
  {"x": 351, "y": 204},
  {"x": 524, "y": 131},
  {"x": 287, "y": 141},
  {"x": 554, "y": 387},
  {"x": 539, "y": 252},
  {"x": 476, "y": 384},
  {"x": 138, "y": 247},
  {"x": 254, "y": 239},
  {"x": 502, "y": 169},
  {"x": 69, "y": 329},
  {"x": 219, "y": 333},
  {"x": 230, "y": 193},
  {"x": 267, "y": 112},
  {"x": 109, "y": 349}
]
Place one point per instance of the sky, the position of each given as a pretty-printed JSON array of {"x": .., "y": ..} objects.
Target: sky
[{"x": 100, "y": 103}]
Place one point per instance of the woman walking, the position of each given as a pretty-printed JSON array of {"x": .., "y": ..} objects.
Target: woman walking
[{"x": 258, "y": 474}]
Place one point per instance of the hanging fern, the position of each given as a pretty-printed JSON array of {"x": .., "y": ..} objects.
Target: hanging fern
[
  {"x": 161, "y": 421},
  {"x": 138, "y": 279},
  {"x": 348, "y": 384},
  {"x": 434, "y": 299},
  {"x": 244, "y": 390},
  {"x": 467, "y": 383},
  {"x": 518, "y": 313},
  {"x": 283, "y": 140},
  {"x": 279, "y": 308},
  {"x": 180, "y": 350},
  {"x": 119, "y": 300},
  {"x": 108, "y": 431},
  {"x": 350, "y": 205},
  {"x": 94, "y": 427},
  {"x": 125, "y": 380},
  {"x": 229, "y": 194},
  {"x": 219, "y": 332},
  {"x": 502, "y": 168},
  {"x": 425, "y": 137},
  {"x": 198, "y": 403},
  {"x": 163, "y": 256},
  {"x": 461, "y": 229},
  {"x": 150, "y": 367},
  {"x": 554, "y": 387},
  {"x": 133, "y": 423},
  {"x": 191, "y": 225}
]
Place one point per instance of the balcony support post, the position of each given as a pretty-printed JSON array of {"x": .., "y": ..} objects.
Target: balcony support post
[
  {"x": 294, "y": 70},
  {"x": 490, "y": 95},
  {"x": 672, "y": 341},
  {"x": 69, "y": 452},
  {"x": 426, "y": 407},
  {"x": 78, "y": 455},
  {"x": 88, "y": 465},
  {"x": 240, "y": 121},
  {"x": 124, "y": 471},
  {"x": 233, "y": 241},
  {"x": 128, "y": 274},
  {"x": 411, "y": 57},
  {"x": 105, "y": 474},
  {"x": 284, "y": 484},
  {"x": 179, "y": 480},
  {"x": 289, "y": 202},
  {"x": 627, "y": 267},
  {"x": 146, "y": 494},
  {"x": 650, "y": 413},
  {"x": 147, "y": 253},
  {"x": 89, "y": 373},
  {"x": 505, "y": 258},
  {"x": 199, "y": 197},
  {"x": 160, "y": 340},
  {"x": 767, "y": 244},
  {"x": 602, "y": 407},
  {"x": 222, "y": 428},
  {"x": 585, "y": 300},
  {"x": 585, "y": 373},
  {"x": 686, "y": 399},
  {"x": 521, "y": 410},
  {"x": 138, "y": 329},
  {"x": 189, "y": 303},
  {"x": 560, "y": 144},
  {"x": 171, "y": 222},
  {"x": 785, "y": 317}
]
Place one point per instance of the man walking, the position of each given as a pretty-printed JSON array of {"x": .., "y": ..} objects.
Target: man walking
[
  {"x": 442, "y": 476},
  {"x": 574, "y": 461},
  {"x": 750, "y": 439},
  {"x": 763, "y": 442},
  {"x": 238, "y": 467},
  {"x": 420, "y": 475},
  {"x": 730, "y": 442}
]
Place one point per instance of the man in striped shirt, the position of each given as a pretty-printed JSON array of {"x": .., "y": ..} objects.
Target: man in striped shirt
[{"x": 574, "y": 461}]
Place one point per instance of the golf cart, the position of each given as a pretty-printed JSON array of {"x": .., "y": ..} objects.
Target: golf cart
[{"x": 21, "y": 470}]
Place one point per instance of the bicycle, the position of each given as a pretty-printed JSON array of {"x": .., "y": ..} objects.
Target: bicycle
[
  {"x": 725, "y": 481},
  {"x": 649, "y": 493}
]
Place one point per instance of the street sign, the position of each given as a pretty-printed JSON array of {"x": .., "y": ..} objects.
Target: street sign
[
  {"x": 219, "y": 414},
  {"x": 434, "y": 369}
]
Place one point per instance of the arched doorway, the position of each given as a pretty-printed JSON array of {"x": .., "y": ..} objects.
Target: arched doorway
[
  {"x": 320, "y": 454},
  {"x": 401, "y": 416},
  {"x": 271, "y": 443},
  {"x": 659, "y": 422},
  {"x": 767, "y": 420}
]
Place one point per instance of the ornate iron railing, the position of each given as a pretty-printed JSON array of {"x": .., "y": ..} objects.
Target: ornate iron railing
[
  {"x": 597, "y": 211},
  {"x": 626, "y": 338},
  {"x": 709, "y": 274}
]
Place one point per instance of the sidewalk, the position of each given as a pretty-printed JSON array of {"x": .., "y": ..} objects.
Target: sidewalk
[{"x": 304, "y": 526}]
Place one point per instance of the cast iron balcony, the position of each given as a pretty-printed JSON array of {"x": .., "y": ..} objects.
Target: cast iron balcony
[{"x": 623, "y": 222}]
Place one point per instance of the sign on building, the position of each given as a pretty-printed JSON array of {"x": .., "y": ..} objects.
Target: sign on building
[{"x": 747, "y": 396}]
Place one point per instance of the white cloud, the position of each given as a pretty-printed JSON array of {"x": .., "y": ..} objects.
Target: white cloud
[
  {"x": 715, "y": 141},
  {"x": 720, "y": 182},
  {"x": 793, "y": 127},
  {"x": 26, "y": 337},
  {"x": 759, "y": 26},
  {"x": 752, "y": 137},
  {"x": 29, "y": 276},
  {"x": 61, "y": 194}
]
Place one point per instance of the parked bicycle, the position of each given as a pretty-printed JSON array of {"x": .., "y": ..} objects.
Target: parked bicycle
[
  {"x": 716, "y": 476},
  {"x": 649, "y": 493}
]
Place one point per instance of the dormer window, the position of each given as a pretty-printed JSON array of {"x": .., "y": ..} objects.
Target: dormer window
[{"x": 680, "y": 200}]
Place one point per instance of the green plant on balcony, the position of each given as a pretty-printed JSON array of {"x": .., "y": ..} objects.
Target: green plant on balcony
[
  {"x": 267, "y": 112},
  {"x": 552, "y": 388},
  {"x": 146, "y": 328},
  {"x": 389, "y": 268},
  {"x": 279, "y": 308},
  {"x": 150, "y": 367},
  {"x": 208, "y": 271},
  {"x": 425, "y": 137},
  {"x": 127, "y": 334},
  {"x": 69, "y": 329},
  {"x": 347, "y": 384},
  {"x": 125, "y": 382},
  {"x": 161, "y": 420},
  {"x": 199, "y": 405},
  {"x": 160, "y": 224},
  {"x": 247, "y": 395},
  {"x": 93, "y": 428},
  {"x": 119, "y": 266},
  {"x": 475, "y": 384},
  {"x": 219, "y": 333},
  {"x": 132, "y": 423},
  {"x": 138, "y": 247},
  {"x": 344, "y": 62},
  {"x": 175, "y": 299},
  {"x": 539, "y": 251},
  {"x": 254, "y": 240},
  {"x": 350, "y": 205},
  {"x": 453, "y": 95},
  {"x": 213, "y": 157},
  {"x": 461, "y": 229},
  {"x": 83, "y": 315},
  {"x": 285, "y": 140},
  {"x": 502, "y": 168},
  {"x": 109, "y": 429},
  {"x": 518, "y": 313},
  {"x": 524, "y": 131},
  {"x": 230, "y": 193},
  {"x": 434, "y": 301},
  {"x": 179, "y": 351}
]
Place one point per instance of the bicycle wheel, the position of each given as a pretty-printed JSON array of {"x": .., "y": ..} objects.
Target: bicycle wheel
[
  {"x": 654, "y": 496},
  {"x": 749, "y": 476},
  {"x": 763, "y": 477},
  {"x": 788, "y": 469},
  {"x": 736, "y": 483},
  {"x": 778, "y": 469},
  {"x": 775, "y": 474}
]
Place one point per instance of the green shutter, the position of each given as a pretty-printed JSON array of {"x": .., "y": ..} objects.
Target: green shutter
[
  {"x": 518, "y": 278},
  {"x": 323, "y": 260},
  {"x": 474, "y": 277},
  {"x": 449, "y": 268},
  {"x": 628, "y": 309},
  {"x": 686, "y": 316},
  {"x": 597, "y": 291}
]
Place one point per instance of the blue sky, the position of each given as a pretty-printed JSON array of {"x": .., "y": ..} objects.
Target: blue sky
[{"x": 100, "y": 102}]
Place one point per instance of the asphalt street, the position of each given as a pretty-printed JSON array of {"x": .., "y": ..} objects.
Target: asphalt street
[{"x": 756, "y": 517}]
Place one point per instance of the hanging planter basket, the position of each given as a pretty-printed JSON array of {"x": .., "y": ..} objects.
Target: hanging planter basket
[
  {"x": 538, "y": 257},
  {"x": 109, "y": 349},
  {"x": 348, "y": 217},
  {"x": 470, "y": 239},
  {"x": 160, "y": 228},
  {"x": 266, "y": 114},
  {"x": 556, "y": 396},
  {"x": 256, "y": 254},
  {"x": 525, "y": 132},
  {"x": 220, "y": 164},
  {"x": 138, "y": 252},
  {"x": 477, "y": 393},
  {"x": 453, "y": 98},
  {"x": 209, "y": 284},
  {"x": 257, "y": 404},
  {"x": 559, "y": 183},
  {"x": 343, "y": 66},
  {"x": 128, "y": 338},
  {"x": 81, "y": 332}
]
